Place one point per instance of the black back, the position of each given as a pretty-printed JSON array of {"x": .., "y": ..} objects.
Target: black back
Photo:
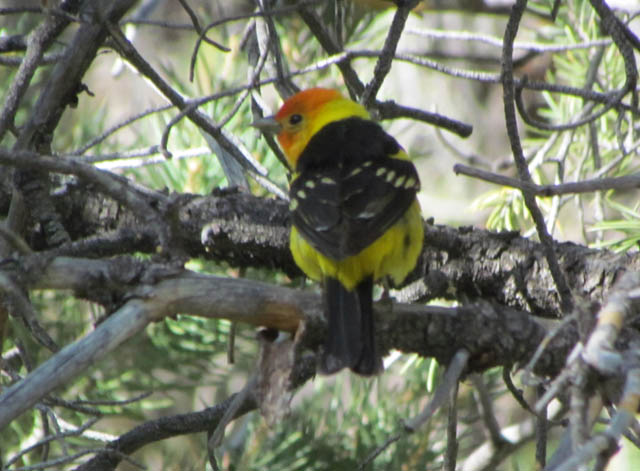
[{"x": 349, "y": 190}]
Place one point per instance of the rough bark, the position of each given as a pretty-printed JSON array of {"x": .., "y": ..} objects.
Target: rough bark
[{"x": 247, "y": 231}]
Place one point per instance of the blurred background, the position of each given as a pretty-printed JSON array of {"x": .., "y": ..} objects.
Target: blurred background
[{"x": 333, "y": 423}]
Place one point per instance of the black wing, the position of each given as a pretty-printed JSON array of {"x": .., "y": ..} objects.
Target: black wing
[{"x": 348, "y": 190}]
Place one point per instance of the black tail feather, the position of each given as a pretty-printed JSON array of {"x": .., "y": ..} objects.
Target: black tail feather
[{"x": 350, "y": 341}]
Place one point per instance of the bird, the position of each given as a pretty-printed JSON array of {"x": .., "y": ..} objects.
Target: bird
[{"x": 354, "y": 213}]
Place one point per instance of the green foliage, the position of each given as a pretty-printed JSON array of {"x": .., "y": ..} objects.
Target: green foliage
[
  {"x": 343, "y": 419},
  {"x": 603, "y": 149},
  {"x": 629, "y": 225},
  {"x": 335, "y": 422}
]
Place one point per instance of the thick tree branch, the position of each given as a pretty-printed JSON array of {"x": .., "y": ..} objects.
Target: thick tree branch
[
  {"x": 502, "y": 280},
  {"x": 150, "y": 292},
  {"x": 457, "y": 263},
  {"x": 60, "y": 91},
  {"x": 139, "y": 199}
]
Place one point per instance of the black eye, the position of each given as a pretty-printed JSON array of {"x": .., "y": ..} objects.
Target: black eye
[{"x": 295, "y": 119}]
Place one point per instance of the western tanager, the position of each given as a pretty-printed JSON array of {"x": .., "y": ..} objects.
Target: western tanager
[{"x": 355, "y": 216}]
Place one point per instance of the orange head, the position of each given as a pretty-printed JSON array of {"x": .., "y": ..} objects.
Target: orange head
[{"x": 305, "y": 113}]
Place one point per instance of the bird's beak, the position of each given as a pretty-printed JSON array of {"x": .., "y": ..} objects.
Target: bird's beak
[{"x": 268, "y": 124}]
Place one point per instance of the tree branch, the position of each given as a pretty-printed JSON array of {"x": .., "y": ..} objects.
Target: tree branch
[
  {"x": 456, "y": 263},
  {"x": 39, "y": 41},
  {"x": 150, "y": 292},
  {"x": 383, "y": 66},
  {"x": 521, "y": 164},
  {"x": 626, "y": 182},
  {"x": 163, "y": 428}
]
